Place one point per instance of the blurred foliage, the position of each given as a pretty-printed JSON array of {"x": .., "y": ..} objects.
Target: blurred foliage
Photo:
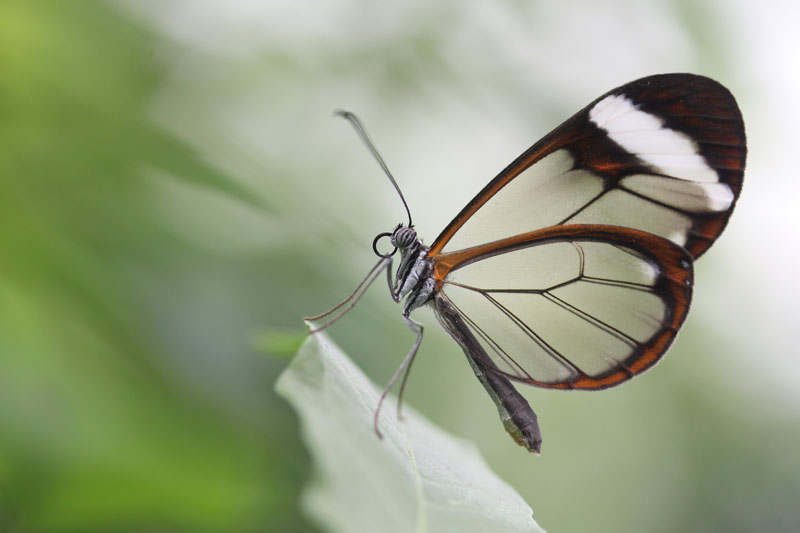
[
  {"x": 174, "y": 197},
  {"x": 97, "y": 430}
]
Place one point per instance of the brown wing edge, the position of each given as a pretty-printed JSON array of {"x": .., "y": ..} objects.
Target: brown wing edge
[
  {"x": 696, "y": 105},
  {"x": 674, "y": 287},
  {"x": 707, "y": 112}
]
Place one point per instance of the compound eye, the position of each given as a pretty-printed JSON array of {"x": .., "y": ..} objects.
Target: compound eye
[{"x": 404, "y": 237}]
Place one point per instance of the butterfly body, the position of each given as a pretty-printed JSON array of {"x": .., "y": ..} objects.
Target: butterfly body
[{"x": 413, "y": 279}]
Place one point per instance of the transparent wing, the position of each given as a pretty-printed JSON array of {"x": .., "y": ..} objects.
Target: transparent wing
[
  {"x": 663, "y": 154},
  {"x": 573, "y": 306}
]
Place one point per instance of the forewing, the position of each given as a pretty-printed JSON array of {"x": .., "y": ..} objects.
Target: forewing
[
  {"x": 663, "y": 154},
  {"x": 572, "y": 306}
]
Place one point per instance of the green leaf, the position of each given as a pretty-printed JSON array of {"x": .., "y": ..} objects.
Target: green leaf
[{"x": 417, "y": 478}]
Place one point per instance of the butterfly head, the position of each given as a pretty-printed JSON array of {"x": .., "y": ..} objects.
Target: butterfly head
[{"x": 401, "y": 238}]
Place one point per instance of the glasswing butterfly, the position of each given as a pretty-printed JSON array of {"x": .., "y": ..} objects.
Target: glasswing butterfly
[{"x": 572, "y": 269}]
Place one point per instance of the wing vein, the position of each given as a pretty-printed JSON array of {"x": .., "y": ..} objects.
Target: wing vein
[
  {"x": 591, "y": 319},
  {"x": 530, "y": 333}
]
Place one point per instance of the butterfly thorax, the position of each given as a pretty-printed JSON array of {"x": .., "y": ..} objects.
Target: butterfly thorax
[{"x": 413, "y": 280}]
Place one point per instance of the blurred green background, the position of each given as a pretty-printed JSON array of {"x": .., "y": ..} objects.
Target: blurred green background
[{"x": 175, "y": 196}]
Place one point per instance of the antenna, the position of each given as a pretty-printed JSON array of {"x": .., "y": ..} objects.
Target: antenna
[{"x": 347, "y": 115}]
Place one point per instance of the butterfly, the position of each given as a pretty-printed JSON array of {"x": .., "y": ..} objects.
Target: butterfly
[{"x": 573, "y": 268}]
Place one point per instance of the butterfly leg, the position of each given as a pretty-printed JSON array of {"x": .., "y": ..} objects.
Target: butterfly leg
[
  {"x": 417, "y": 328},
  {"x": 393, "y": 289},
  {"x": 354, "y": 297}
]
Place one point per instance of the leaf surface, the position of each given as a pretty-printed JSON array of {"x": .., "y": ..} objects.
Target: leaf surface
[{"x": 417, "y": 478}]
